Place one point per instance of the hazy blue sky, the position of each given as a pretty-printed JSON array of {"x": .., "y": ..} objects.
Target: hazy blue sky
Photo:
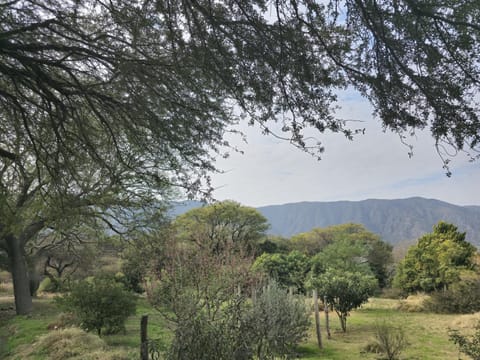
[{"x": 374, "y": 165}]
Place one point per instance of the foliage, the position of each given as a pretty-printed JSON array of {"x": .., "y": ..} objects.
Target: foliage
[
  {"x": 344, "y": 290},
  {"x": 468, "y": 345},
  {"x": 273, "y": 244},
  {"x": 391, "y": 340},
  {"x": 344, "y": 246},
  {"x": 288, "y": 270},
  {"x": 99, "y": 304},
  {"x": 462, "y": 297},
  {"x": 222, "y": 224},
  {"x": 436, "y": 261},
  {"x": 143, "y": 255},
  {"x": 213, "y": 301},
  {"x": 277, "y": 322},
  {"x": 201, "y": 293}
]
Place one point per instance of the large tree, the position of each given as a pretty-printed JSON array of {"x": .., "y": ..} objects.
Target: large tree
[
  {"x": 222, "y": 224},
  {"x": 105, "y": 104},
  {"x": 436, "y": 261}
]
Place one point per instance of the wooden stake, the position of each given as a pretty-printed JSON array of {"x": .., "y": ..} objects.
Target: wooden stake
[
  {"x": 317, "y": 318},
  {"x": 143, "y": 338}
]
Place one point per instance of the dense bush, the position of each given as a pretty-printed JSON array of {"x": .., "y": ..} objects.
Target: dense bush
[
  {"x": 99, "y": 304},
  {"x": 461, "y": 298},
  {"x": 269, "y": 328}
]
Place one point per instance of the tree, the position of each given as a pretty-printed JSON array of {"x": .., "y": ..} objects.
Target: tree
[
  {"x": 344, "y": 290},
  {"x": 288, "y": 270},
  {"x": 346, "y": 245},
  {"x": 436, "y": 261},
  {"x": 106, "y": 105},
  {"x": 222, "y": 224}
]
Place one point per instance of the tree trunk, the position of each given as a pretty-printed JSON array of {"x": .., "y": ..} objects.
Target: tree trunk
[
  {"x": 327, "y": 318},
  {"x": 343, "y": 322},
  {"x": 21, "y": 282}
]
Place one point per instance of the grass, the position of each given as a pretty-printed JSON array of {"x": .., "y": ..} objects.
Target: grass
[
  {"x": 427, "y": 333},
  {"x": 17, "y": 332}
]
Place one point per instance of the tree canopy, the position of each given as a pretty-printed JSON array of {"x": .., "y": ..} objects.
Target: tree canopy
[{"x": 222, "y": 224}]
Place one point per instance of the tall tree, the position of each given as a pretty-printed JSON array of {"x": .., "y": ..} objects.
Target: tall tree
[{"x": 105, "y": 104}]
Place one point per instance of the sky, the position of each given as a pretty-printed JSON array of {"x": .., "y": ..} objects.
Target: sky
[{"x": 372, "y": 166}]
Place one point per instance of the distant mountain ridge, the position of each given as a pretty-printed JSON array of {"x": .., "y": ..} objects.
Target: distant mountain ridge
[{"x": 394, "y": 220}]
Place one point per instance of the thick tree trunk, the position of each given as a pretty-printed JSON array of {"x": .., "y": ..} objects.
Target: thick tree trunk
[{"x": 19, "y": 270}]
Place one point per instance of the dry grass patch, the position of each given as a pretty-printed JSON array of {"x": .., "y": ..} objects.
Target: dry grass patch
[
  {"x": 71, "y": 343},
  {"x": 413, "y": 303},
  {"x": 466, "y": 322}
]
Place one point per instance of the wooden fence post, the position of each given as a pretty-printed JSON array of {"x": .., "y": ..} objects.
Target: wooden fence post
[
  {"x": 143, "y": 338},
  {"x": 317, "y": 318}
]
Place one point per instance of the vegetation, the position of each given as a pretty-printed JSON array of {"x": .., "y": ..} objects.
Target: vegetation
[
  {"x": 288, "y": 270},
  {"x": 436, "y": 261},
  {"x": 462, "y": 297},
  {"x": 468, "y": 345},
  {"x": 344, "y": 291},
  {"x": 99, "y": 304},
  {"x": 391, "y": 340},
  {"x": 222, "y": 224},
  {"x": 278, "y": 322}
]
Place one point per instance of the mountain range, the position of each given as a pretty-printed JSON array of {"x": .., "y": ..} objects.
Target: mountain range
[{"x": 394, "y": 220}]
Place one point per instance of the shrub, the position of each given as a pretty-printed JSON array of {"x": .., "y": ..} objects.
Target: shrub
[
  {"x": 391, "y": 340},
  {"x": 100, "y": 303},
  {"x": 278, "y": 322},
  {"x": 468, "y": 345},
  {"x": 461, "y": 298}
]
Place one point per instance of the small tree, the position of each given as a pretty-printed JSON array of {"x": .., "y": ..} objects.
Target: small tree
[
  {"x": 344, "y": 290},
  {"x": 100, "y": 303}
]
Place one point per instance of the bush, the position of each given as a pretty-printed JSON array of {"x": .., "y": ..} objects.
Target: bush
[
  {"x": 390, "y": 340},
  {"x": 461, "y": 298},
  {"x": 278, "y": 321},
  {"x": 468, "y": 345},
  {"x": 100, "y": 304}
]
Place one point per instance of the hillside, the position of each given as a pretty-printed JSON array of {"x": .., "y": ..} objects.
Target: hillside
[{"x": 394, "y": 220}]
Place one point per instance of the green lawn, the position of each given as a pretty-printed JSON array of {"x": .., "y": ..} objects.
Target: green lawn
[{"x": 427, "y": 333}]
